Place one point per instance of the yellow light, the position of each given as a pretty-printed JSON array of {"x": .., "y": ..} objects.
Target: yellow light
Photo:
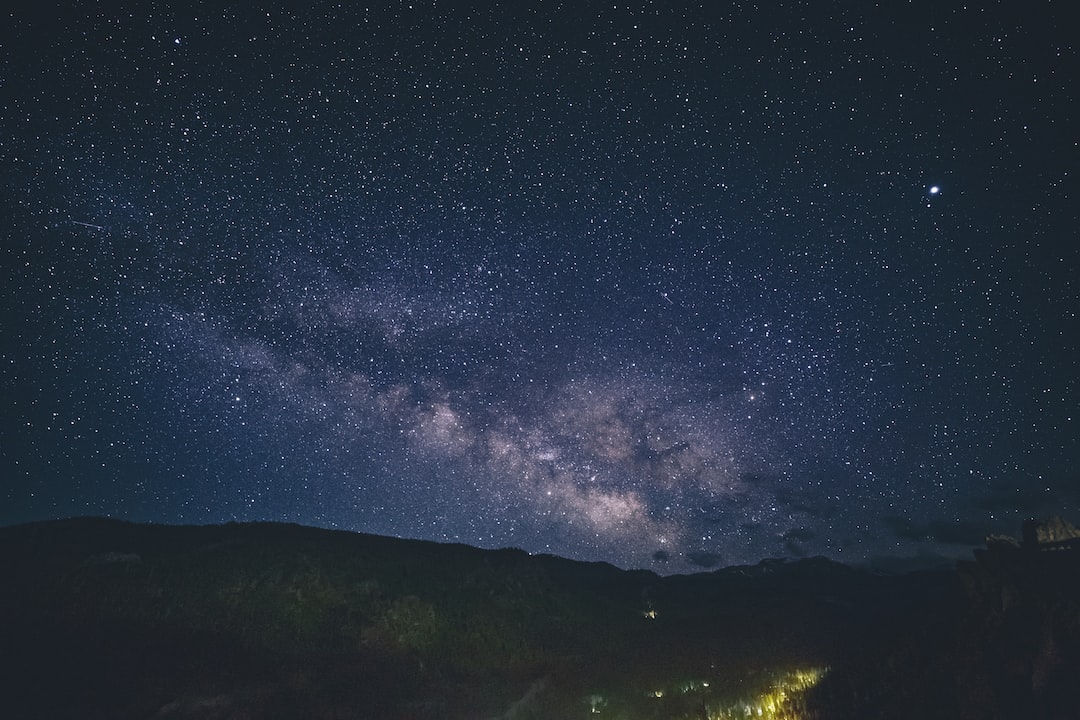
[{"x": 776, "y": 702}]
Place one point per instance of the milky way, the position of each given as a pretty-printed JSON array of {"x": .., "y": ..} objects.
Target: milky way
[{"x": 666, "y": 288}]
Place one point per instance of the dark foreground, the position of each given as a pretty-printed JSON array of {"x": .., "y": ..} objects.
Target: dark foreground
[{"x": 105, "y": 619}]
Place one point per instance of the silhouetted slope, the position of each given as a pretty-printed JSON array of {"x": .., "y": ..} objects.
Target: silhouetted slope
[
  {"x": 103, "y": 618},
  {"x": 1003, "y": 644}
]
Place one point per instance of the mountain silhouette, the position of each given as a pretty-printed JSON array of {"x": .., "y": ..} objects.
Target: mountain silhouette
[{"x": 104, "y": 618}]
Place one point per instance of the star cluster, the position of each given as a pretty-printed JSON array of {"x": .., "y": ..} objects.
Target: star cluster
[{"x": 667, "y": 287}]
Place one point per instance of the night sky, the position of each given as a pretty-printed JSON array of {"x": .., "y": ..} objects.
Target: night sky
[{"x": 668, "y": 286}]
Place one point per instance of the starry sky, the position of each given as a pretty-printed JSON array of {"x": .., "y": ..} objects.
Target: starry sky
[{"x": 668, "y": 285}]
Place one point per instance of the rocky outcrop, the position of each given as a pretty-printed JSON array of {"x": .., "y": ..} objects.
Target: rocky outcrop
[
  {"x": 1019, "y": 640},
  {"x": 1004, "y": 645},
  {"x": 1055, "y": 533}
]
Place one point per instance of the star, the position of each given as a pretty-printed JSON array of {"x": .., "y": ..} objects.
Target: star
[{"x": 446, "y": 288}]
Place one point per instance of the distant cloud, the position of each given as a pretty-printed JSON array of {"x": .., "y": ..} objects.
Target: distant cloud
[
  {"x": 794, "y": 549},
  {"x": 920, "y": 561},
  {"x": 704, "y": 559},
  {"x": 794, "y": 540},
  {"x": 938, "y": 531}
]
